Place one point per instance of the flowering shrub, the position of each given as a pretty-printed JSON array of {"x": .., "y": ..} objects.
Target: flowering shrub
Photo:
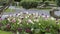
[{"x": 25, "y": 23}]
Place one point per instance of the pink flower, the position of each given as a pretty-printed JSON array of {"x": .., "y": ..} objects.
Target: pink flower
[{"x": 13, "y": 20}]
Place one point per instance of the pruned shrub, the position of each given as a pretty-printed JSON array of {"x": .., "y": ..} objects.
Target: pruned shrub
[
  {"x": 58, "y": 2},
  {"x": 29, "y": 4}
]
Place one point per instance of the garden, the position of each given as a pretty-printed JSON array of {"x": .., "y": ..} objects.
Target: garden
[{"x": 33, "y": 20}]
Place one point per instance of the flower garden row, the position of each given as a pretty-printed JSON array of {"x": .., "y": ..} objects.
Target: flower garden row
[{"x": 25, "y": 23}]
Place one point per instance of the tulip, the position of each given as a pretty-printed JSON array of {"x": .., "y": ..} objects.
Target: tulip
[
  {"x": 8, "y": 26},
  {"x": 28, "y": 30},
  {"x": 19, "y": 29},
  {"x": 13, "y": 20}
]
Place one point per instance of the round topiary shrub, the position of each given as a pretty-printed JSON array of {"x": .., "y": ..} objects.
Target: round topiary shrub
[
  {"x": 58, "y": 2},
  {"x": 29, "y": 4},
  {"x": 46, "y": 3}
]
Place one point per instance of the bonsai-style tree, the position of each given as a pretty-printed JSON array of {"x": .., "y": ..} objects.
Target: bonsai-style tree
[{"x": 5, "y": 6}]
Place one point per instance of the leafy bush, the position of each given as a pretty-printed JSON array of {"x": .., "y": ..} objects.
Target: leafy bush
[{"x": 29, "y": 4}]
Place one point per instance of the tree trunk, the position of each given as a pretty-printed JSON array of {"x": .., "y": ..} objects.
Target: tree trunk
[{"x": 5, "y": 7}]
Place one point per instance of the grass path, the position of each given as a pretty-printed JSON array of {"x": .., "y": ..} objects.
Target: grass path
[{"x": 4, "y": 32}]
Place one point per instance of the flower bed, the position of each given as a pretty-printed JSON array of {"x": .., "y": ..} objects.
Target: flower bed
[{"x": 25, "y": 23}]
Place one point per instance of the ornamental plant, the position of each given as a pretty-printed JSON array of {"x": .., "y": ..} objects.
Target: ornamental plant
[{"x": 31, "y": 24}]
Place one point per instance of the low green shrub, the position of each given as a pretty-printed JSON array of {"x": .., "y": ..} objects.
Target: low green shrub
[
  {"x": 58, "y": 2},
  {"x": 29, "y": 4}
]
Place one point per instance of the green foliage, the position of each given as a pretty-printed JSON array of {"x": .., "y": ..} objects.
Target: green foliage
[
  {"x": 29, "y": 4},
  {"x": 58, "y": 2},
  {"x": 46, "y": 3}
]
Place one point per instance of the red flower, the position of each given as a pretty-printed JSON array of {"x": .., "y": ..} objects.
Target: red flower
[
  {"x": 19, "y": 29},
  {"x": 28, "y": 30}
]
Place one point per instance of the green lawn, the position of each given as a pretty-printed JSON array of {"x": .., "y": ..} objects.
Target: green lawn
[
  {"x": 9, "y": 10},
  {"x": 4, "y": 32}
]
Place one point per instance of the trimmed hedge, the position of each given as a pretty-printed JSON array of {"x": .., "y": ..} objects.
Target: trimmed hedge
[{"x": 29, "y": 4}]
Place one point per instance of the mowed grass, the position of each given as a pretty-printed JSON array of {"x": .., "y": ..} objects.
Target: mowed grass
[
  {"x": 5, "y": 32},
  {"x": 9, "y": 10}
]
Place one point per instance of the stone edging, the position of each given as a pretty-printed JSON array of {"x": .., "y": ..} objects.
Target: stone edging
[{"x": 53, "y": 14}]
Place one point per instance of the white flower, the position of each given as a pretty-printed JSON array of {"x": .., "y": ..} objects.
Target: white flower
[
  {"x": 48, "y": 16},
  {"x": 17, "y": 32},
  {"x": 8, "y": 19},
  {"x": 36, "y": 20},
  {"x": 39, "y": 23},
  {"x": 43, "y": 16},
  {"x": 21, "y": 13},
  {"x": 10, "y": 15},
  {"x": 37, "y": 14},
  {"x": 19, "y": 20},
  {"x": 27, "y": 23},
  {"x": 58, "y": 23},
  {"x": 26, "y": 16},
  {"x": 33, "y": 13},
  {"x": 52, "y": 18},
  {"x": 30, "y": 21},
  {"x": 32, "y": 29},
  {"x": 27, "y": 13}
]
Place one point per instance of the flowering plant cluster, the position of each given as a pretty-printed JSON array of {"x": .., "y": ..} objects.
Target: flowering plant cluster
[{"x": 25, "y": 23}]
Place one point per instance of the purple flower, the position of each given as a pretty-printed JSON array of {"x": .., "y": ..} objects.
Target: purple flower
[
  {"x": 19, "y": 29},
  {"x": 0, "y": 18},
  {"x": 42, "y": 14},
  {"x": 28, "y": 30},
  {"x": 58, "y": 30}
]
